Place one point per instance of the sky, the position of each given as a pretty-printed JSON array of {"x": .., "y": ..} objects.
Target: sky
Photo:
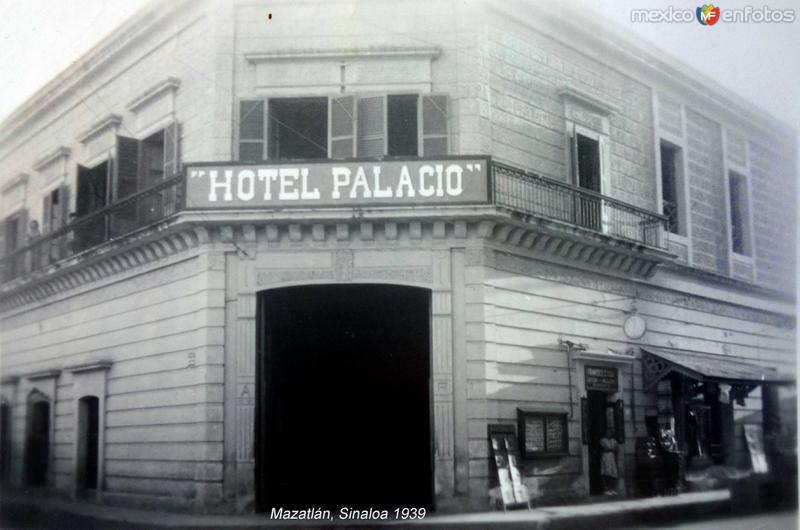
[{"x": 761, "y": 62}]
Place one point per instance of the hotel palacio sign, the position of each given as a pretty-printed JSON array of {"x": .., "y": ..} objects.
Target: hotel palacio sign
[{"x": 347, "y": 183}]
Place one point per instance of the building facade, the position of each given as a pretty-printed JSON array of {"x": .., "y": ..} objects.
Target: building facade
[{"x": 320, "y": 253}]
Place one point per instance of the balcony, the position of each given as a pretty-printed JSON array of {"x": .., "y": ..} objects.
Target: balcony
[
  {"x": 531, "y": 194},
  {"x": 70, "y": 242},
  {"x": 529, "y": 198}
]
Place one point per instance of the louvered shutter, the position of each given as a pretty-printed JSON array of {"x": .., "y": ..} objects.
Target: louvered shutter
[
  {"x": 126, "y": 181},
  {"x": 127, "y": 177},
  {"x": 342, "y": 127},
  {"x": 172, "y": 166},
  {"x": 434, "y": 125},
  {"x": 47, "y": 212},
  {"x": 172, "y": 150},
  {"x": 372, "y": 126},
  {"x": 252, "y": 134},
  {"x": 2, "y": 238}
]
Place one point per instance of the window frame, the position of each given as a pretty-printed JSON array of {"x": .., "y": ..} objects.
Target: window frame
[
  {"x": 523, "y": 415},
  {"x": 573, "y": 130},
  {"x": 384, "y": 95}
]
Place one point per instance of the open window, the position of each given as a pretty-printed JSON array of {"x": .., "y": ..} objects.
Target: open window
[
  {"x": 741, "y": 239},
  {"x": 343, "y": 127}
]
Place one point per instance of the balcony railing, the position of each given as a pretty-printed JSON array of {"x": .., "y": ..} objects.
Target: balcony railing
[
  {"x": 113, "y": 221},
  {"x": 532, "y": 194},
  {"x": 513, "y": 188}
]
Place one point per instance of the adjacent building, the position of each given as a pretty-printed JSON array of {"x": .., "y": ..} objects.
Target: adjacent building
[{"x": 316, "y": 253}]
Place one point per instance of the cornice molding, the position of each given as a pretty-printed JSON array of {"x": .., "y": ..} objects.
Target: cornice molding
[
  {"x": 51, "y": 157},
  {"x": 90, "y": 367},
  {"x": 344, "y": 53},
  {"x": 588, "y": 101},
  {"x": 109, "y": 122},
  {"x": 43, "y": 374},
  {"x": 170, "y": 84},
  {"x": 19, "y": 180}
]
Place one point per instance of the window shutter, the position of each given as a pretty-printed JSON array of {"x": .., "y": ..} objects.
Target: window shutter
[
  {"x": 22, "y": 229},
  {"x": 172, "y": 150},
  {"x": 372, "y": 126},
  {"x": 605, "y": 180},
  {"x": 2, "y": 238},
  {"x": 47, "y": 212},
  {"x": 342, "y": 124},
  {"x": 84, "y": 200},
  {"x": 127, "y": 177},
  {"x": 63, "y": 207},
  {"x": 252, "y": 134},
  {"x": 434, "y": 125}
]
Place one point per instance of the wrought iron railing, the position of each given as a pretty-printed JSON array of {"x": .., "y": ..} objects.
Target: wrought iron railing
[
  {"x": 111, "y": 222},
  {"x": 513, "y": 188},
  {"x": 532, "y": 194}
]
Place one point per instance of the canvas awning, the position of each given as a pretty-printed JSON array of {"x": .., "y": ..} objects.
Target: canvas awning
[{"x": 660, "y": 362}]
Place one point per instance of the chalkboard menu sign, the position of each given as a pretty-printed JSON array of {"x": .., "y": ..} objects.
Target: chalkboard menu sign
[
  {"x": 542, "y": 433},
  {"x": 601, "y": 378}
]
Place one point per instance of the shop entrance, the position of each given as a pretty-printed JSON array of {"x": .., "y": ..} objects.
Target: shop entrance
[
  {"x": 598, "y": 423},
  {"x": 343, "y": 415}
]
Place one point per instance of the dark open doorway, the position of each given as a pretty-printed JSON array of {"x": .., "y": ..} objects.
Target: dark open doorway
[
  {"x": 343, "y": 411},
  {"x": 5, "y": 440},
  {"x": 37, "y": 443},
  {"x": 88, "y": 441},
  {"x": 597, "y": 428}
]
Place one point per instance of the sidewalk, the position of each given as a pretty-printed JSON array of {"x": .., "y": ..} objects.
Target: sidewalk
[{"x": 24, "y": 512}]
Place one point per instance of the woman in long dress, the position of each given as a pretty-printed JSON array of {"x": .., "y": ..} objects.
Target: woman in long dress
[{"x": 608, "y": 463}]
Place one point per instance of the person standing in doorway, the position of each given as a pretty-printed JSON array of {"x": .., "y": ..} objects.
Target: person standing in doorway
[{"x": 608, "y": 462}]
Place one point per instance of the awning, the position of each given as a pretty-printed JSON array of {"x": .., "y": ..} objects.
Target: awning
[{"x": 660, "y": 362}]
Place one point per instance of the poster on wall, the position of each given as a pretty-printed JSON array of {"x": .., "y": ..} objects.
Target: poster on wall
[
  {"x": 506, "y": 459},
  {"x": 755, "y": 444}
]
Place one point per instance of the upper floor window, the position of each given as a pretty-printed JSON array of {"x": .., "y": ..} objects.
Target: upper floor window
[
  {"x": 740, "y": 214},
  {"x": 672, "y": 190},
  {"x": 343, "y": 127},
  {"x": 588, "y": 155}
]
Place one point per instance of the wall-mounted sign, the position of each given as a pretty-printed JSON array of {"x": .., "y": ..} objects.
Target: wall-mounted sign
[
  {"x": 601, "y": 378},
  {"x": 449, "y": 180}
]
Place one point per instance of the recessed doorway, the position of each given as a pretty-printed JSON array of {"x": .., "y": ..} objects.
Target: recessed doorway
[{"x": 344, "y": 407}]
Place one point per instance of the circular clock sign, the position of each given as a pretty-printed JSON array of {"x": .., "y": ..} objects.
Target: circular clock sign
[{"x": 634, "y": 327}]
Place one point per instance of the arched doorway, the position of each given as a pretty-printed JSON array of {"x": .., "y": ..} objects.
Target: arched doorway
[
  {"x": 88, "y": 442},
  {"x": 344, "y": 407},
  {"x": 37, "y": 440}
]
